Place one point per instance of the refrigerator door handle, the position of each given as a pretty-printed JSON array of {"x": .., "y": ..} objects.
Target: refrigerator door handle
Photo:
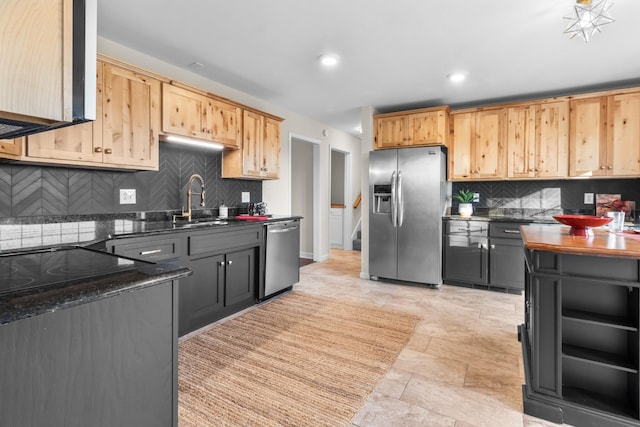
[
  {"x": 400, "y": 201},
  {"x": 394, "y": 201}
]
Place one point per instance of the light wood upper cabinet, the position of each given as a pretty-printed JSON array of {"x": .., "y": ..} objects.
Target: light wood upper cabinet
[
  {"x": 537, "y": 140},
  {"x": 124, "y": 135},
  {"x": 131, "y": 118},
  {"x": 588, "y": 137},
  {"x": 259, "y": 157},
  {"x": 428, "y": 126},
  {"x": 36, "y": 46},
  {"x": 196, "y": 115},
  {"x": 477, "y": 149},
  {"x": 623, "y": 135}
]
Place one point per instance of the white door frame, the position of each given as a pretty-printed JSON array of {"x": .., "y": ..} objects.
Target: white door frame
[{"x": 316, "y": 188}]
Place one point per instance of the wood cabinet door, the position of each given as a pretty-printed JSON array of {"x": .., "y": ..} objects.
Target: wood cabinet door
[
  {"x": 552, "y": 140},
  {"x": 390, "y": 132},
  {"x": 271, "y": 149},
  {"x": 587, "y": 137},
  {"x": 460, "y": 147},
  {"x": 12, "y": 147},
  {"x": 623, "y": 135},
  {"x": 253, "y": 125},
  {"x": 427, "y": 128},
  {"x": 224, "y": 121},
  {"x": 131, "y": 118},
  {"x": 183, "y": 112},
  {"x": 36, "y": 46},
  {"x": 489, "y": 157},
  {"x": 521, "y": 135},
  {"x": 68, "y": 143}
]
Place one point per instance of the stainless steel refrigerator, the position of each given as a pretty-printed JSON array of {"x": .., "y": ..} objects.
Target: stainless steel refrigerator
[{"x": 408, "y": 190}]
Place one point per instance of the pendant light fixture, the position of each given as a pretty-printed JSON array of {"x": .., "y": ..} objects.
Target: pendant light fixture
[{"x": 587, "y": 18}]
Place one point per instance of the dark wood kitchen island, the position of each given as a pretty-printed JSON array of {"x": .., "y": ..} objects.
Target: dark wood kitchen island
[
  {"x": 580, "y": 336},
  {"x": 87, "y": 339}
]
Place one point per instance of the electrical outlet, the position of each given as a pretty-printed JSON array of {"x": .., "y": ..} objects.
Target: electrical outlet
[
  {"x": 476, "y": 198},
  {"x": 128, "y": 196},
  {"x": 588, "y": 198},
  {"x": 246, "y": 197}
]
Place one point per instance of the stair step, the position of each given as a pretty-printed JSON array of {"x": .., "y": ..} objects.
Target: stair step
[{"x": 357, "y": 244}]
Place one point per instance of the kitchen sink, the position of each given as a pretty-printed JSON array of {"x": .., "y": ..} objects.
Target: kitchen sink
[{"x": 200, "y": 223}]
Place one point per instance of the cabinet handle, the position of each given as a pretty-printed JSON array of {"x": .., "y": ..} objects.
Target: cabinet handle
[
  {"x": 108, "y": 151},
  {"x": 462, "y": 229},
  {"x": 230, "y": 262},
  {"x": 98, "y": 149},
  {"x": 152, "y": 251},
  {"x": 511, "y": 231}
]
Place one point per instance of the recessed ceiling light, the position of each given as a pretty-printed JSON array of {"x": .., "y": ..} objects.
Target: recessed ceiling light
[
  {"x": 456, "y": 77},
  {"x": 329, "y": 59}
]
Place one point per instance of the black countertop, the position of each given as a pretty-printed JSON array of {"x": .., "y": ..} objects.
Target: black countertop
[
  {"x": 46, "y": 263},
  {"x": 39, "y": 281}
]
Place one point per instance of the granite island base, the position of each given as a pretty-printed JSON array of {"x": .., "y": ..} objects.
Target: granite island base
[{"x": 580, "y": 336}]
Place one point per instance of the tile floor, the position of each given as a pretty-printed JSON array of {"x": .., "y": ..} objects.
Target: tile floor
[{"x": 461, "y": 368}]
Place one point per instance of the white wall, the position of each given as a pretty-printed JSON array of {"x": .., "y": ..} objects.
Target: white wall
[
  {"x": 366, "y": 147},
  {"x": 277, "y": 193},
  {"x": 302, "y": 193}
]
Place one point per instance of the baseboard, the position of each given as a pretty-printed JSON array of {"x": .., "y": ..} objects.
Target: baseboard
[
  {"x": 364, "y": 275},
  {"x": 307, "y": 255}
]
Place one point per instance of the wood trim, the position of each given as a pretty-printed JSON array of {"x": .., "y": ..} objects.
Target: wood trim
[
  {"x": 444, "y": 108},
  {"x": 357, "y": 202}
]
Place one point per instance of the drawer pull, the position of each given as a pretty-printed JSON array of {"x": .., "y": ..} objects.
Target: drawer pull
[
  {"x": 153, "y": 251},
  {"x": 511, "y": 231},
  {"x": 462, "y": 229}
]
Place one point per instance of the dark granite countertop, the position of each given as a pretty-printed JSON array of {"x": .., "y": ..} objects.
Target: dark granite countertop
[
  {"x": 503, "y": 218},
  {"x": 40, "y": 281},
  {"x": 92, "y": 230}
]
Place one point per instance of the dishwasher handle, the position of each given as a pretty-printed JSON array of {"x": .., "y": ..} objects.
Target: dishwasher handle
[{"x": 282, "y": 230}]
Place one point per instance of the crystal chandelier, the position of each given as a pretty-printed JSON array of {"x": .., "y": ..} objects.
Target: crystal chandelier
[{"x": 588, "y": 16}]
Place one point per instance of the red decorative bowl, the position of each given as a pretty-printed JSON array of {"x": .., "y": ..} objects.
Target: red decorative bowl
[{"x": 581, "y": 224}]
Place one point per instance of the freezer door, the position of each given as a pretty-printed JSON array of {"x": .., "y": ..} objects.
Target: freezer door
[
  {"x": 382, "y": 233},
  {"x": 420, "y": 235}
]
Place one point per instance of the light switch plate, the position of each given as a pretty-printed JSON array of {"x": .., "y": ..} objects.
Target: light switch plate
[
  {"x": 588, "y": 198},
  {"x": 246, "y": 197},
  {"x": 476, "y": 198},
  {"x": 127, "y": 196}
]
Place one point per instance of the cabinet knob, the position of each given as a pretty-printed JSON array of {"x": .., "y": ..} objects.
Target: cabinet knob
[
  {"x": 221, "y": 263},
  {"x": 230, "y": 262},
  {"x": 492, "y": 246},
  {"x": 603, "y": 167},
  {"x": 610, "y": 167},
  {"x": 98, "y": 149},
  {"x": 108, "y": 151}
]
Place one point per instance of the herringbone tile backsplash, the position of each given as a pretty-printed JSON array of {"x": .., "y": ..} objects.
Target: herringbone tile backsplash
[{"x": 27, "y": 190}]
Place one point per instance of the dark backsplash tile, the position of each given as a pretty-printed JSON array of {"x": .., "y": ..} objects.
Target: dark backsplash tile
[
  {"x": 567, "y": 195},
  {"x": 27, "y": 190}
]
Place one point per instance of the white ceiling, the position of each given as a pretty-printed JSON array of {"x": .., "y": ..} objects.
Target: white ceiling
[{"x": 395, "y": 54}]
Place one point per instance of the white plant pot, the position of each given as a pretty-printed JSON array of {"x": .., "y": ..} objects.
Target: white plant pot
[{"x": 465, "y": 209}]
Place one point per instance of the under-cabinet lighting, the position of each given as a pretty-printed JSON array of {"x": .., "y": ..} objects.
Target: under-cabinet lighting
[
  {"x": 329, "y": 59},
  {"x": 193, "y": 142}
]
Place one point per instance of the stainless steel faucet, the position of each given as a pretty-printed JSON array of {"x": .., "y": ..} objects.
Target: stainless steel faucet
[{"x": 187, "y": 215}]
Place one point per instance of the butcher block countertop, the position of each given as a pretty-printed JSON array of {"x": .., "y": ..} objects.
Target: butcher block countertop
[{"x": 556, "y": 238}]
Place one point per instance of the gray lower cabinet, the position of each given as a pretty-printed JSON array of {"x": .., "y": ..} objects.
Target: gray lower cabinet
[
  {"x": 466, "y": 257},
  {"x": 483, "y": 253},
  {"x": 225, "y": 265},
  {"x": 110, "y": 362},
  {"x": 581, "y": 339}
]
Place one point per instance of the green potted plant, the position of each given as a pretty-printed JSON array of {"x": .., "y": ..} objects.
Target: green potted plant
[{"x": 465, "y": 197}]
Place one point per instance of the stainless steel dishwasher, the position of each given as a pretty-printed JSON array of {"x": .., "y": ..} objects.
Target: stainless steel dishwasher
[{"x": 282, "y": 257}]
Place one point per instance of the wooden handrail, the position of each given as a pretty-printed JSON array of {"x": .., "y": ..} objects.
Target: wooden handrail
[{"x": 357, "y": 202}]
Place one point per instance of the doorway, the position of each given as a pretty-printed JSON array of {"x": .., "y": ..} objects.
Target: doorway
[
  {"x": 340, "y": 215},
  {"x": 305, "y": 192}
]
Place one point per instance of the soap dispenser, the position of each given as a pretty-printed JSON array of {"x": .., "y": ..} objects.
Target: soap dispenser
[{"x": 223, "y": 211}]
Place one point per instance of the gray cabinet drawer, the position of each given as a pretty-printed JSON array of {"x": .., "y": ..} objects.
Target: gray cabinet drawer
[
  {"x": 216, "y": 241},
  {"x": 505, "y": 230},
  {"x": 467, "y": 228},
  {"x": 156, "y": 248}
]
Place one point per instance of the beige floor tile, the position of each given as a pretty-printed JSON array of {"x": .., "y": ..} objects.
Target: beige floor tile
[
  {"x": 436, "y": 368},
  {"x": 382, "y": 411}
]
